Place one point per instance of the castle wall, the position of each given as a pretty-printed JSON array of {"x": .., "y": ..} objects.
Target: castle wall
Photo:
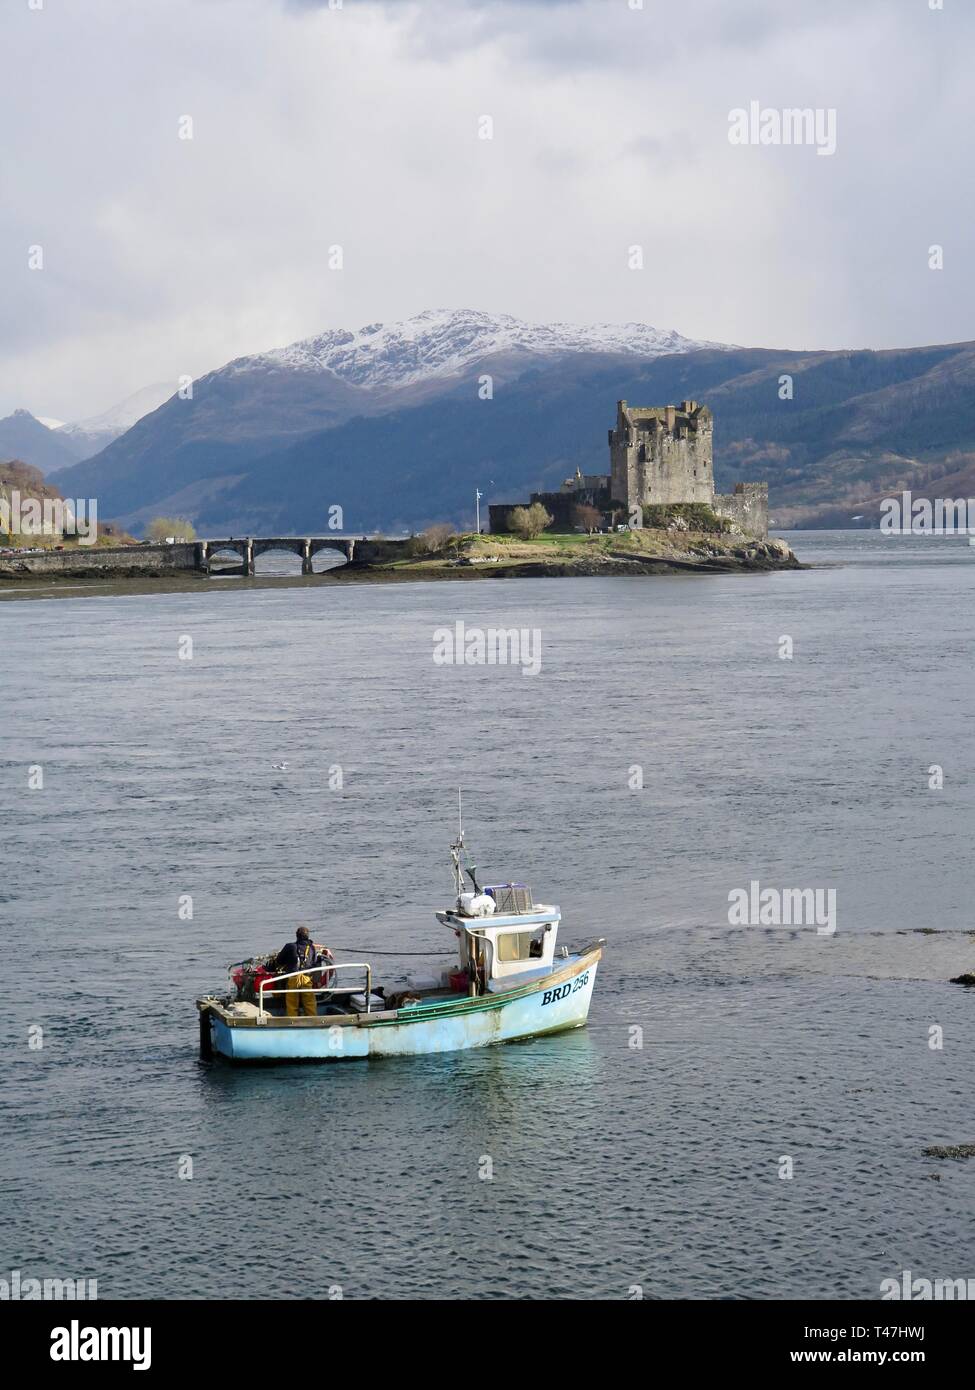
[
  {"x": 677, "y": 468},
  {"x": 746, "y": 507},
  {"x": 499, "y": 517},
  {"x": 561, "y": 506},
  {"x": 622, "y": 463},
  {"x": 662, "y": 454}
]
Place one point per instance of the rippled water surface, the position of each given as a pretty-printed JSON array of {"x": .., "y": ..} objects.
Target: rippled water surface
[{"x": 614, "y": 1165}]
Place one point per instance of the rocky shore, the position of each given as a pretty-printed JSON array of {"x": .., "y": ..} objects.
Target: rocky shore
[
  {"x": 648, "y": 552},
  {"x": 554, "y": 557}
]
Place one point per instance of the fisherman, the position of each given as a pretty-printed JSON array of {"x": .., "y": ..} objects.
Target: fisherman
[{"x": 300, "y": 954}]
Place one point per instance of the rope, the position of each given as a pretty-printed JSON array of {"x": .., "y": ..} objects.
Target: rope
[{"x": 368, "y": 951}]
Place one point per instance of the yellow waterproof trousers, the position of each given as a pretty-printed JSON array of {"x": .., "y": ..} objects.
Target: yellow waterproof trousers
[{"x": 299, "y": 988}]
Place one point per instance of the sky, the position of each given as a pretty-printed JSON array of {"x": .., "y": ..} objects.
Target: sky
[{"x": 318, "y": 124}]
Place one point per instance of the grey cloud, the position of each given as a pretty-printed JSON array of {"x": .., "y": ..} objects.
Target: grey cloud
[{"x": 359, "y": 127}]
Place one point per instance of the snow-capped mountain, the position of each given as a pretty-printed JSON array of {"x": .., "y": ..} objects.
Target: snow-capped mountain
[
  {"x": 389, "y": 422},
  {"x": 190, "y": 452},
  {"x": 50, "y": 444},
  {"x": 98, "y": 430},
  {"x": 443, "y": 342}
]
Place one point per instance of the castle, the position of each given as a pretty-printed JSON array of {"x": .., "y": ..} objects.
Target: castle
[
  {"x": 658, "y": 455},
  {"x": 662, "y": 454},
  {"x": 665, "y": 454}
]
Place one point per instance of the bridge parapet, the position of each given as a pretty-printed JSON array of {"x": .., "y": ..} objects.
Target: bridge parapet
[
  {"x": 125, "y": 560},
  {"x": 197, "y": 555}
]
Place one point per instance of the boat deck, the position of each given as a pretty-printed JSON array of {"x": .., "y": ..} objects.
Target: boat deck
[
  {"x": 346, "y": 1007},
  {"x": 434, "y": 1019}
]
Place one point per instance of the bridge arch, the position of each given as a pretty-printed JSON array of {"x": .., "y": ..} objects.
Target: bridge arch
[
  {"x": 293, "y": 546},
  {"x": 250, "y": 547},
  {"x": 209, "y": 550},
  {"x": 333, "y": 551}
]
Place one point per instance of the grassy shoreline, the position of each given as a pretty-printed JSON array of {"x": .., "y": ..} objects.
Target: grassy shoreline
[
  {"x": 571, "y": 554},
  {"x": 468, "y": 557}
]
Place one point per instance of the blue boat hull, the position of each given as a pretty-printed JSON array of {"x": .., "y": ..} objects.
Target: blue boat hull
[{"x": 554, "y": 1003}]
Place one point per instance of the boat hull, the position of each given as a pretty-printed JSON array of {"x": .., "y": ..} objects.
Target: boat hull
[{"x": 549, "y": 1005}]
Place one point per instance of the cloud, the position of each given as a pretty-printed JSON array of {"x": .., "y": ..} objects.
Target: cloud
[{"x": 315, "y": 127}]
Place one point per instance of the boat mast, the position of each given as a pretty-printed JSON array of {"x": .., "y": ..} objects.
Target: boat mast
[
  {"x": 458, "y": 853},
  {"x": 457, "y": 848}
]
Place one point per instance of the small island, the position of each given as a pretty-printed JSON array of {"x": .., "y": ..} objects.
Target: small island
[
  {"x": 655, "y": 512},
  {"x": 680, "y": 546}
]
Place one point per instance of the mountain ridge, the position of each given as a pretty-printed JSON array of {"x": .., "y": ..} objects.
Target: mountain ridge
[
  {"x": 395, "y": 422},
  {"x": 442, "y": 342}
]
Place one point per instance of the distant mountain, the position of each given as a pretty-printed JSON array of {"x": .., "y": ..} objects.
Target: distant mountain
[
  {"x": 389, "y": 422},
  {"x": 442, "y": 343},
  {"x": 92, "y": 435},
  {"x": 189, "y": 452},
  {"x": 23, "y": 437},
  {"x": 860, "y": 426},
  {"x": 50, "y": 444}
]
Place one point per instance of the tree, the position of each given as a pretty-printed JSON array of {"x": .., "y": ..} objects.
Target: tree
[
  {"x": 587, "y": 517},
  {"x": 438, "y": 537},
  {"x": 529, "y": 522},
  {"x": 162, "y": 527}
]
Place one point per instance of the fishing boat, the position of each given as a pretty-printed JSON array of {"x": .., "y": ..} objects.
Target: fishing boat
[{"x": 510, "y": 980}]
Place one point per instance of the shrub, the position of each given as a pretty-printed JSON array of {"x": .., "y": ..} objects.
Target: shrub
[
  {"x": 587, "y": 517},
  {"x": 690, "y": 516},
  {"x": 529, "y": 522},
  {"x": 438, "y": 537},
  {"x": 162, "y": 526}
]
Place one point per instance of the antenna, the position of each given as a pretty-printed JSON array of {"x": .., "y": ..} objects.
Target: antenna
[
  {"x": 457, "y": 848},
  {"x": 458, "y": 852}
]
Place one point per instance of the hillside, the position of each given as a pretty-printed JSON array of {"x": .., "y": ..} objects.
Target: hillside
[
  {"x": 388, "y": 424},
  {"x": 92, "y": 435},
  {"x": 193, "y": 452},
  {"x": 17, "y": 477}
]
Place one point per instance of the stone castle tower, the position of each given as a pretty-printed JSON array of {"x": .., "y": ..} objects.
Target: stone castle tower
[
  {"x": 662, "y": 454},
  {"x": 659, "y": 455}
]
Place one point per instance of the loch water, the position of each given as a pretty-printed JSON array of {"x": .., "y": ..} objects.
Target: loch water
[{"x": 649, "y": 1152}]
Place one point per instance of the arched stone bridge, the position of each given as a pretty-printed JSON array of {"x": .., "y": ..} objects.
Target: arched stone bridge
[{"x": 249, "y": 547}]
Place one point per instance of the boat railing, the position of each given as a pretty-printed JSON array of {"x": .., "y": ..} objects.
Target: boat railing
[{"x": 263, "y": 988}]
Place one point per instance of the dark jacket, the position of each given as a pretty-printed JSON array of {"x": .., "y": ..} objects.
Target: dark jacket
[{"x": 296, "y": 955}]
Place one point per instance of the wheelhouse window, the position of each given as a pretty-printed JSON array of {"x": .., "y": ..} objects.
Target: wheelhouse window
[{"x": 515, "y": 945}]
